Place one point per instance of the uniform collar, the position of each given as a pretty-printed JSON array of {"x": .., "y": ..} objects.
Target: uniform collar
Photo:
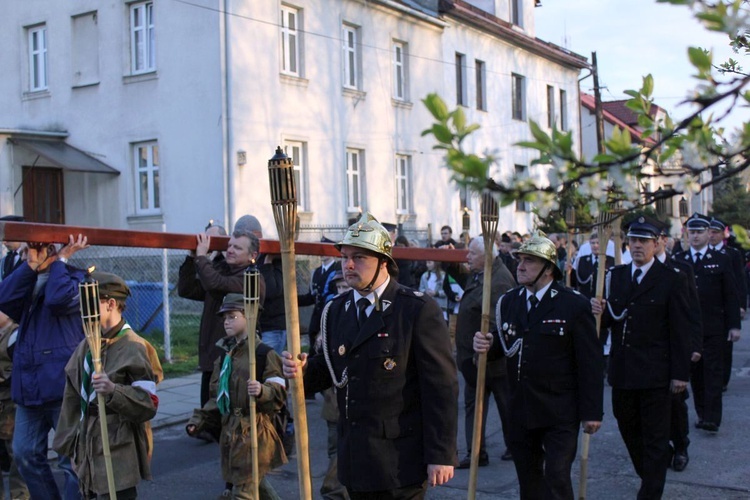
[{"x": 539, "y": 293}]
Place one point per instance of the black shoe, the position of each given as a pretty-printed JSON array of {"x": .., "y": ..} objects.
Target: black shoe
[
  {"x": 670, "y": 456},
  {"x": 724, "y": 389},
  {"x": 465, "y": 463},
  {"x": 507, "y": 455},
  {"x": 710, "y": 427},
  {"x": 699, "y": 424},
  {"x": 680, "y": 461}
]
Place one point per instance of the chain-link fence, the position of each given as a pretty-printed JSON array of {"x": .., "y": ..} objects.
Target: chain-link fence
[{"x": 154, "y": 309}]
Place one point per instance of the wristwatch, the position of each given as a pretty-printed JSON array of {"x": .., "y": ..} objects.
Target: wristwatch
[{"x": 63, "y": 259}]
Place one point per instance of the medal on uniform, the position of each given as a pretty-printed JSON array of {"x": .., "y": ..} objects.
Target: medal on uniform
[
  {"x": 342, "y": 350},
  {"x": 389, "y": 364}
]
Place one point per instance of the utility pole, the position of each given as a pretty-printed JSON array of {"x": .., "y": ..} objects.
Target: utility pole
[{"x": 598, "y": 111}]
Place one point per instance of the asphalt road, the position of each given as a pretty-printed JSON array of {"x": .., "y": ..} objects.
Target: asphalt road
[{"x": 187, "y": 469}]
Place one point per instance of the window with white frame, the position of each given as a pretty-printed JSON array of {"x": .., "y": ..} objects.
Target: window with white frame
[
  {"x": 351, "y": 52},
  {"x": 519, "y": 97},
  {"x": 521, "y": 205},
  {"x": 297, "y": 151},
  {"x": 563, "y": 110},
  {"x": 354, "y": 179},
  {"x": 480, "y": 79},
  {"x": 550, "y": 106},
  {"x": 142, "y": 38},
  {"x": 403, "y": 184},
  {"x": 460, "y": 79},
  {"x": 291, "y": 24},
  {"x": 400, "y": 71},
  {"x": 37, "y": 58},
  {"x": 146, "y": 159}
]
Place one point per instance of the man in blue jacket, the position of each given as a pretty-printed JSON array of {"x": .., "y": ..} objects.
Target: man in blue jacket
[{"x": 42, "y": 297}]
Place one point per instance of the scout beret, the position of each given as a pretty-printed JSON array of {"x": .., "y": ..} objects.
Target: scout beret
[
  {"x": 111, "y": 286},
  {"x": 232, "y": 302}
]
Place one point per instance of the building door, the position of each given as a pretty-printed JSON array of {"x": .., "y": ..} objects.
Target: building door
[{"x": 43, "y": 199}]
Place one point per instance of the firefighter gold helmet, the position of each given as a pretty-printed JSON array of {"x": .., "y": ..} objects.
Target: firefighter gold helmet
[
  {"x": 369, "y": 234},
  {"x": 541, "y": 246}
]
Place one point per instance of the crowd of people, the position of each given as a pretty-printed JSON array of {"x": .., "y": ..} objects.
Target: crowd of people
[{"x": 388, "y": 339}]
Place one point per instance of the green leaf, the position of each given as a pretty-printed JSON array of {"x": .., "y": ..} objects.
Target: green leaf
[
  {"x": 442, "y": 133},
  {"x": 436, "y": 106},
  {"x": 459, "y": 118},
  {"x": 538, "y": 133},
  {"x": 700, "y": 59},
  {"x": 648, "y": 85}
]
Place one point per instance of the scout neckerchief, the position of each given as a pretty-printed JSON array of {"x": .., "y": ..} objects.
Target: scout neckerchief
[
  {"x": 222, "y": 398},
  {"x": 88, "y": 394}
]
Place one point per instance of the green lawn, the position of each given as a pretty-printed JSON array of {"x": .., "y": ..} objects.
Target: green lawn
[{"x": 184, "y": 333}]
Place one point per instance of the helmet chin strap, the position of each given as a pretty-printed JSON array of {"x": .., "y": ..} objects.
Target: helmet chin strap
[
  {"x": 368, "y": 288},
  {"x": 533, "y": 283}
]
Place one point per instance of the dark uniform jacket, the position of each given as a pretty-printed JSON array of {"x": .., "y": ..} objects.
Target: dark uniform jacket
[
  {"x": 399, "y": 410},
  {"x": 469, "y": 319},
  {"x": 583, "y": 278},
  {"x": 738, "y": 271},
  {"x": 651, "y": 333},
  {"x": 556, "y": 375},
  {"x": 720, "y": 310},
  {"x": 695, "y": 318},
  {"x": 209, "y": 281}
]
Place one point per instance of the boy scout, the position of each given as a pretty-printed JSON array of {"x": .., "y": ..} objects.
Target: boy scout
[{"x": 131, "y": 370}]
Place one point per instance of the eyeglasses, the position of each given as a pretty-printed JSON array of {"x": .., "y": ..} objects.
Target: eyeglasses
[{"x": 233, "y": 317}]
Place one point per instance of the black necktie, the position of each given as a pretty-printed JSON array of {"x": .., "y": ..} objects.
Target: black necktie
[
  {"x": 697, "y": 257},
  {"x": 533, "y": 301},
  {"x": 362, "y": 305},
  {"x": 636, "y": 275}
]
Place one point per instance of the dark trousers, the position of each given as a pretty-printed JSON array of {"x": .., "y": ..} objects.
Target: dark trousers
[
  {"x": 679, "y": 427},
  {"x": 728, "y": 352},
  {"x": 543, "y": 458},
  {"x": 498, "y": 387},
  {"x": 415, "y": 492},
  {"x": 643, "y": 419},
  {"x": 706, "y": 380}
]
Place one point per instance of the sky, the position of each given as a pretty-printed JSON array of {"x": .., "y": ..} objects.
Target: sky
[{"x": 633, "y": 38}]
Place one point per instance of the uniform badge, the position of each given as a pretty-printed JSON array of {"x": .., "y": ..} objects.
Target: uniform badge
[
  {"x": 342, "y": 350},
  {"x": 389, "y": 364},
  {"x": 418, "y": 294},
  {"x": 505, "y": 327}
]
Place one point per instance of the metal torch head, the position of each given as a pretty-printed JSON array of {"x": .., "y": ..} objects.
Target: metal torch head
[{"x": 281, "y": 177}]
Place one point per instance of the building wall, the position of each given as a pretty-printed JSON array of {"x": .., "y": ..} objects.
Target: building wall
[{"x": 180, "y": 105}]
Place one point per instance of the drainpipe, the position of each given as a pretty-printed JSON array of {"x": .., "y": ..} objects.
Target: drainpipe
[{"x": 228, "y": 173}]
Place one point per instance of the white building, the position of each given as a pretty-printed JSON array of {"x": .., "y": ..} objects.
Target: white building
[{"x": 134, "y": 114}]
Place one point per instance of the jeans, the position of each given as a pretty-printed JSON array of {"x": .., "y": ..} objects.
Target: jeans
[
  {"x": 275, "y": 338},
  {"x": 33, "y": 424}
]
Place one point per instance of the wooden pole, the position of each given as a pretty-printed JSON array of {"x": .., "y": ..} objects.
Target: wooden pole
[
  {"x": 252, "y": 301},
  {"x": 55, "y": 233},
  {"x": 490, "y": 217},
  {"x": 605, "y": 231},
  {"x": 88, "y": 292},
  {"x": 284, "y": 203}
]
